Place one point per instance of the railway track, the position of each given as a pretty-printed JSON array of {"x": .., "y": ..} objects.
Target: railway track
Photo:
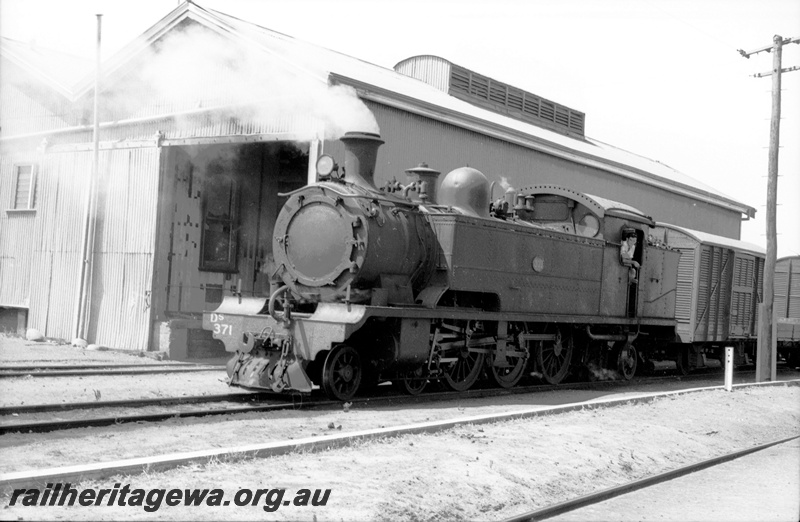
[
  {"x": 615, "y": 491},
  {"x": 50, "y": 367},
  {"x": 7, "y": 372},
  {"x": 385, "y": 396},
  {"x": 101, "y": 470},
  {"x": 131, "y": 403},
  {"x": 109, "y": 420}
]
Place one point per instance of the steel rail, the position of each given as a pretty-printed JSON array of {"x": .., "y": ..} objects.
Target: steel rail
[
  {"x": 151, "y": 464},
  {"x": 46, "y": 426},
  {"x": 76, "y": 373},
  {"x": 615, "y": 491},
  {"x": 101, "y": 364},
  {"x": 476, "y": 393},
  {"x": 135, "y": 403}
]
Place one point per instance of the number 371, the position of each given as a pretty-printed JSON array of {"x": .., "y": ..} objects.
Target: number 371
[{"x": 223, "y": 329}]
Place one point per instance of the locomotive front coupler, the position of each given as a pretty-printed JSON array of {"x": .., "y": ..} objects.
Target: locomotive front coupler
[{"x": 269, "y": 362}]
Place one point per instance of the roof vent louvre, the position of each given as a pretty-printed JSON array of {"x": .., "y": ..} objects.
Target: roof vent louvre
[{"x": 524, "y": 106}]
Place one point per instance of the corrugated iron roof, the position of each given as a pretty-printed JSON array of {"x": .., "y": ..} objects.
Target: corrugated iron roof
[
  {"x": 387, "y": 86},
  {"x": 345, "y": 66},
  {"x": 59, "y": 70}
]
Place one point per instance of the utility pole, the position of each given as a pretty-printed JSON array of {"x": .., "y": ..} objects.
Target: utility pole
[
  {"x": 766, "y": 355},
  {"x": 83, "y": 303}
]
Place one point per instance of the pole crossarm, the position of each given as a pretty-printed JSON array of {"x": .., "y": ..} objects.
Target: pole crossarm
[
  {"x": 770, "y": 73},
  {"x": 768, "y": 48}
]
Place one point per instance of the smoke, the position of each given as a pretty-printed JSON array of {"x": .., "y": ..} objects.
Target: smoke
[
  {"x": 601, "y": 374},
  {"x": 504, "y": 183},
  {"x": 194, "y": 68},
  {"x": 594, "y": 372}
]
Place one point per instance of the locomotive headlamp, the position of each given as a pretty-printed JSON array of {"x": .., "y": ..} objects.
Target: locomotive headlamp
[{"x": 326, "y": 166}]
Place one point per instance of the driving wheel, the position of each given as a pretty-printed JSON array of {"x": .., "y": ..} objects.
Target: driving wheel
[
  {"x": 342, "y": 373},
  {"x": 553, "y": 358},
  {"x": 461, "y": 374},
  {"x": 509, "y": 376}
]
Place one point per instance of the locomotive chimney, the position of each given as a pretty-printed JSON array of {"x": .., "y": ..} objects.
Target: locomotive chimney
[
  {"x": 428, "y": 176},
  {"x": 360, "y": 157}
]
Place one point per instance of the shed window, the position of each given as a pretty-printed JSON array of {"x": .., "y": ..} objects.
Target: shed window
[
  {"x": 219, "y": 241},
  {"x": 24, "y": 195}
]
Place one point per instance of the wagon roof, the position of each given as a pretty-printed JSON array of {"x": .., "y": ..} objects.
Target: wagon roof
[
  {"x": 711, "y": 239},
  {"x": 789, "y": 259}
]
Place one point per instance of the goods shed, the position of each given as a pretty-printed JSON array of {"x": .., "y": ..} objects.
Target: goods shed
[{"x": 205, "y": 120}]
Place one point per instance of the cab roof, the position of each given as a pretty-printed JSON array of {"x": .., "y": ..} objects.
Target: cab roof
[{"x": 599, "y": 206}]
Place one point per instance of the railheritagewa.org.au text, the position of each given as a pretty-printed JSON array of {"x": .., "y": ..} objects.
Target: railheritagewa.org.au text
[{"x": 64, "y": 494}]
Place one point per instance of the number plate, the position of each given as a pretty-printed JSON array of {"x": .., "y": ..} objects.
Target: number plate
[{"x": 220, "y": 326}]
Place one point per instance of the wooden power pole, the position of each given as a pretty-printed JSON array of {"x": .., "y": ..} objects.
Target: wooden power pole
[{"x": 766, "y": 355}]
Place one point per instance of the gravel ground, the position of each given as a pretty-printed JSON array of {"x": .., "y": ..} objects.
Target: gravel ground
[
  {"x": 771, "y": 476},
  {"x": 18, "y": 351},
  {"x": 17, "y": 391},
  {"x": 485, "y": 472}
]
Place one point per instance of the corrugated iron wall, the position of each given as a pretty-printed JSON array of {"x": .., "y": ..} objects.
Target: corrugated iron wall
[
  {"x": 16, "y": 233},
  {"x": 56, "y": 259},
  {"x": 40, "y": 254},
  {"x": 125, "y": 242}
]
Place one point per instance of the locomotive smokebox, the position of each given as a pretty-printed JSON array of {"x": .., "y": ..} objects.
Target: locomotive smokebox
[
  {"x": 360, "y": 157},
  {"x": 338, "y": 241}
]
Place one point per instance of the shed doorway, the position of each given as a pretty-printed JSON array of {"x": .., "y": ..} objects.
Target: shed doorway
[{"x": 219, "y": 206}]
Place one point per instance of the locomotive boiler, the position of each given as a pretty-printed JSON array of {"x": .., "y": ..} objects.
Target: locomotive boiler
[{"x": 431, "y": 281}]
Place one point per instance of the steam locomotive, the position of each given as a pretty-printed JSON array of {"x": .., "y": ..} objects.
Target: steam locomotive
[{"x": 432, "y": 281}]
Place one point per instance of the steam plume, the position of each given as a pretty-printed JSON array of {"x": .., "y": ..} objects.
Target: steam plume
[{"x": 194, "y": 67}]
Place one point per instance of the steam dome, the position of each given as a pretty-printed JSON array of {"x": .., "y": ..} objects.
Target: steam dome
[{"x": 467, "y": 190}]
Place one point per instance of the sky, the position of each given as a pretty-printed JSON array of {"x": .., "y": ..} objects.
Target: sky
[{"x": 660, "y": 78}]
